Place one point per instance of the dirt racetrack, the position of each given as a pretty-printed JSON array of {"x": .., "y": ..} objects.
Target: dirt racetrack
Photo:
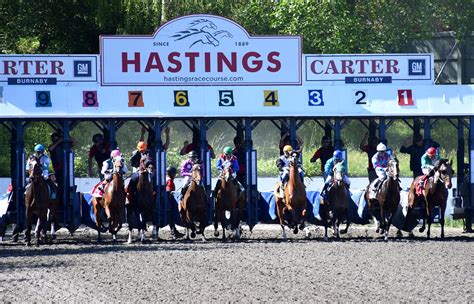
[{"x": 259, "y": 268}]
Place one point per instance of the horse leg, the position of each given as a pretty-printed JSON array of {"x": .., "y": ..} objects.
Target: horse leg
[
  {"x": 423, "y": 226},
  {"x": 216, "y": 221},
  {"x": 129, "y": 222},
  {"x": 142, "y": 227},
  {"x": 52, "y": 220},
  {"x": 38, "y": 228},
  {"x": 222, "y": 219},
  {"x": 441, "y": 219},
  {"x": 429, "y": 214},
  {"x": 283, "y": 232},
  {"x": 389, "y": 223}
]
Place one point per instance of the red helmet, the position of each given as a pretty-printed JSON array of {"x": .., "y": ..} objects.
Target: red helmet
[{"x": 431, "y": 151}]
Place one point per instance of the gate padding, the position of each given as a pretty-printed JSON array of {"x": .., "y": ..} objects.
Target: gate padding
[{"x": 358, "y": 211}]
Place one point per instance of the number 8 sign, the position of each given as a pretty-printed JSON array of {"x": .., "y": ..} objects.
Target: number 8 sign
[{"x": 89, "y": 99}]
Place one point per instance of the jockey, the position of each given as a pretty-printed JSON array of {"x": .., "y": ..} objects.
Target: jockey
[
  {"x": 428, "y": 161},
  {"x": 42, "y": 158},
  {"x": 380, "y": 162},
  {"x": 186, "y": 170},
  {"x": 328, "y": 170},
  {"x": 44, "y": 161},
  {"x": 108, "y": 165},
  {"x": 283, "y": 164},
  {"x": 224, "y": 159},
  {"x": 137, "y": 155}
]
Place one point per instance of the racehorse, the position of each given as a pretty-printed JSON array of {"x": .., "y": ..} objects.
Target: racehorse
[
  {"x": 228, "y": 200},
  {"x": 336, "y": 207},
  {"x": 194, "y": 204},
  {"x": 291, "y": 209},
  {"x": 434, "y": 193},
  {"x": 113, "y": 202},
  {"x": 387, "y": 199},
  {"x": 36, "y": 201},
  {"x": 141, "y": 202}
]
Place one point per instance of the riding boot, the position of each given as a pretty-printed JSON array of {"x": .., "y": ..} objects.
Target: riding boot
[
  {"x": 181, "y": 194},
  {"x": 323, "y": 193},
  {"x": 218, "y": 185},
  {"x": 175, "y": 234}
]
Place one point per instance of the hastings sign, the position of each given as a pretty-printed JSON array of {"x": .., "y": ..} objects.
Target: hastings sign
[
  {"x": 371, "y": 68},
  {"x": 200, "y": 50}
]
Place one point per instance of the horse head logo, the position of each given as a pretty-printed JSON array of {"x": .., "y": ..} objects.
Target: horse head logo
[{"x": 202, "y": 31}]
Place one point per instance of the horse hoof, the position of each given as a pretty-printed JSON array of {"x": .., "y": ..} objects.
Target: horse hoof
[
  {"x": 344, "y": 231},
  {"x": 399, "y": 234},
  {"x": 295, "y": 230},
  {"x": 28, "y": 244},
  {"x": 421, "y": 229},
  {"x": 216, "y": 233},
  {"x": 15, "y": 238},
  {"x": 377, "y": 230},
  {"x": 193, "y": 234}
]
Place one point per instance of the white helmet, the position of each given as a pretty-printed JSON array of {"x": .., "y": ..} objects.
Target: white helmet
[{"x": 381, "y": 147}]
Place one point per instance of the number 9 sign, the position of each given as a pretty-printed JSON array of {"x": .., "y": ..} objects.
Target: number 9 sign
[{"x": 43, "y": 99}]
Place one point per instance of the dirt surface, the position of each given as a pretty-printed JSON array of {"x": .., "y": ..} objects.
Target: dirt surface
[{"x": 259, "y": 268}]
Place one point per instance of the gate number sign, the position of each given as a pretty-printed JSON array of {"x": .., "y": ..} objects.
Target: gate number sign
[
  {"x": 43, "y": 99},
  {"x": 405, "y": 98},
  {"x": 270, "y": 98},
  {"x": 89, "y": 99},
  {"x": 135, "y": 99}
]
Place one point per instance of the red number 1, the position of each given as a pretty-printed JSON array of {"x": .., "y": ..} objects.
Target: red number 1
[{"x": 405, "y": 98}]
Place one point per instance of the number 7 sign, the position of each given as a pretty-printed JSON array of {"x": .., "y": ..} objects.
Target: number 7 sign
[{"x": 405, "y": 98}]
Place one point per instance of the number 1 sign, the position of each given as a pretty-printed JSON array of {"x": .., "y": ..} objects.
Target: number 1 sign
[{"x": 405, "y": 98}]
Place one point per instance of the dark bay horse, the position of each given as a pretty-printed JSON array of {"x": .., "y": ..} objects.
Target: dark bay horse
[
  {"x": 141, "y": 202},
  {"x": 291, "y": 209},
  {"x": 194, "y": 205},
  {"x": 36, "y": 202},
  {"x": 113, "y": 202},
  {"x": 435, "y": 193},
  {"x": 228, "y": 200},
  {"x": 386, "y": 200},
  {"x": 335, "y": 208}
]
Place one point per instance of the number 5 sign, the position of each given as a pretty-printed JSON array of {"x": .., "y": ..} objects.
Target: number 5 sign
[{"x": 405, "y": 98}]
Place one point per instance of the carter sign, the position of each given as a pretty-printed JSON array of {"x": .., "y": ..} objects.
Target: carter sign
[
  {"x": 373, "y": 68},
  {"x": 200, "y": 50}
]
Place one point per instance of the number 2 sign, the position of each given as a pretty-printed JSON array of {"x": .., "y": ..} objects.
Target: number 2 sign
[{"x": 405, "y": 98}]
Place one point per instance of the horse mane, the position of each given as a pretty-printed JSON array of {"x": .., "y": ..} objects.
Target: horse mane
[{"x": 439, "y": 162}]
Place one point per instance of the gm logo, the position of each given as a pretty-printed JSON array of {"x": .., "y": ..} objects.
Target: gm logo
[
  {"x": 82, "y": 68},
  {"x": 416, "y": 67}
]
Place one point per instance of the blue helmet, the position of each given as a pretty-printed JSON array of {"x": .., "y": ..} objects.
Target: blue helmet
[
  {"x": 39, "y": 148},
  {"x": 337, "y": 154}
]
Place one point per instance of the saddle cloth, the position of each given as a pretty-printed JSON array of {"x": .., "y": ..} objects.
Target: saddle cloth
[
  {"x": 420, "y": 187},
  {"x": 98, "y": 191}
]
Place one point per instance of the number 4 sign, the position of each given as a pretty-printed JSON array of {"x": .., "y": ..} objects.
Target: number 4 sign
[{"x": 405, "y": 98}]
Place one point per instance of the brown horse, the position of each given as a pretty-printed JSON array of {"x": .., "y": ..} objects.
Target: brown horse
[
  {"x": 141, "y": 202},
  {"x": 227, "y": 200},
  {"x": 36, "y": 202},
  {"x": 336, "y": 207},
  {"x": 194, "y": 205},
  {"x": 435, "y": 193},
  {"x": 291, "y": 209},
  {"x": 113, "y": 202},
  {"x": 387, "y": 199}
]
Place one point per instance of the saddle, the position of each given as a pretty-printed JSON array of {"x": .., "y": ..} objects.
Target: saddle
[{"x": 98, "y": 189}]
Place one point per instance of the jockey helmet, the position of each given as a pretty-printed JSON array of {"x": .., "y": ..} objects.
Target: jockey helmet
[
  {"x": 39, "y": 148},
  {"x": 381, "y": 147},
  {"x": 115, "y": 153},
  {"x": 171, "y": 170},
  {"x": 227, "y": 150},
  {"x": 287, "y": 148},
  {"x": 337, "y": 154},
  {"x": 431, "y": 151},
  {"x": 97, "y": 137},
  {"x": 192, "y": 154},
  {"x": 141, "y": 146}
]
